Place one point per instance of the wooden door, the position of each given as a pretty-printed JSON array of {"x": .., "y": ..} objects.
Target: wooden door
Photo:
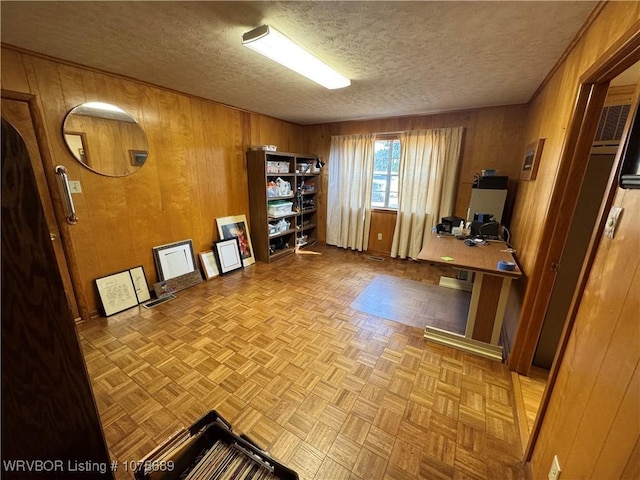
[
  {"x": 48, "y": 409},
  {"x": 18, "y": 114}
]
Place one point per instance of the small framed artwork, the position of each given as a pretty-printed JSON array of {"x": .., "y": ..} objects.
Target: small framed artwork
[
  {"x": 532, "y": 160},
  {"x": 228, "y": 256},
  {"x": 209, "y": 266},
  {"x": 116, "y": 292},
  {"x": 138, "y": 157},
  {"x": 236, "y": 226},
  {"x": 140, "y": 284},
  {"x": 174, "y": 259}
]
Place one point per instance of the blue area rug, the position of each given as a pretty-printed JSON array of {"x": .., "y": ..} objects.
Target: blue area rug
[{"x": 414, "y": 303}]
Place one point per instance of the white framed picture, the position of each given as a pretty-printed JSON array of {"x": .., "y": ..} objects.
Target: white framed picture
[
  {"x": 209, "y": 266},
  {"x": 140, "y": 284},
  {"x": 116, "y": 292},
  {"x": 228, "y": 256}
]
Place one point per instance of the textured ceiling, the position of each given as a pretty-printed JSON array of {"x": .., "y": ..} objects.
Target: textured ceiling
[{"x": 403, "y": 58}]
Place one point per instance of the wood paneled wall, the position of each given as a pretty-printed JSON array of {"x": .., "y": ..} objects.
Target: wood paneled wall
[
  {"x": 493, "y": 139},
  {"x": 383, "y": 223},
  {"x": 196, "y": 170},
  {"x": 592, "y": 422}
]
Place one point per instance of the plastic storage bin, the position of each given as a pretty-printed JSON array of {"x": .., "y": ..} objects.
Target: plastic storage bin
[{"x": 279, "y": 208}]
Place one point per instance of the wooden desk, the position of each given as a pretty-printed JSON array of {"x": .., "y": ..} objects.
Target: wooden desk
[{"x": 488, "y": 296}]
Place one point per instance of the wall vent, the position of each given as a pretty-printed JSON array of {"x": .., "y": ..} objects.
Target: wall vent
[{"x": 612, "y": 122}]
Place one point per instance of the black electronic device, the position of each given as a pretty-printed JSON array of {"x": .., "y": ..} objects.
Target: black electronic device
[
  {"x": 495, "y": 182},
  {"x": 447, "y": 224},
  {"x": 483, "y": 217},
  {"x": 630, "y": 171},
  {"x": 489, "y": 230}
]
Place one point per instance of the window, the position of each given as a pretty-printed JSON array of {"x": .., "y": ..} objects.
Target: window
[{"x": 386, "y": 167}]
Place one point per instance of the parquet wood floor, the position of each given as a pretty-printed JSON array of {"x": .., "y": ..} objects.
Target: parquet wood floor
[
  {"x": 528, "y": 393},
  {"x": 331, "y": 392}
]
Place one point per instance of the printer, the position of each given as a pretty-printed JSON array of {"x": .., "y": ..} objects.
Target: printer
[{"x": 447, "y": 224}]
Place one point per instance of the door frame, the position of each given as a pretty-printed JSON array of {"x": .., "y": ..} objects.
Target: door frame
[
  {"x": 54, "y": 200},
  {"x": 594, "y": 83}
]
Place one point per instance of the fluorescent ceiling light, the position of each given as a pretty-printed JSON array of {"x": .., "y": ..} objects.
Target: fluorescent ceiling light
[{"x": 271, "y": 43}]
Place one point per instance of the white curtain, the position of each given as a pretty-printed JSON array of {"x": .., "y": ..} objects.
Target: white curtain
[
  {"x": 428, "y": 170},
  {"x": 349, "y": 192}
]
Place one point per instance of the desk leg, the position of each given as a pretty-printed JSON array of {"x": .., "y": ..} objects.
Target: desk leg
[
  {"x": 502, "y": 307},
  {"x": 463, "y": 281},
  {"x": 484, "y": 322},
  {"x": 488, "y": 304}
]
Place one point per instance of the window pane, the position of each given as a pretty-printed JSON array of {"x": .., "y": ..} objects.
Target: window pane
[
  {"x": 395, "y": 158},
  {"x": 379, "y": 183},
  {"x": 393, "y": 200},
  {"x": 386, "y": 169},
  {"x": 381, "y": 158},
  {"x": 377, "y": 199}
]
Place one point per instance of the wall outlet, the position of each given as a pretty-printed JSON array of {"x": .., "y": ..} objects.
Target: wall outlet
[
  {"x": 554, "y": 471},
  {"x": 379, "y": 236},
  {"x": 74, "y": 186}
]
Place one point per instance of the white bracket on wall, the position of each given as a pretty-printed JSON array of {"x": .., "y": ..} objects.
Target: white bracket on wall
[{"x": 612, "y": 221}]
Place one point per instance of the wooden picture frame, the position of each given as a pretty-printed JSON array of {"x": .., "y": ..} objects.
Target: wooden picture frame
[
  {"x": 209, "y": 265},
  {"x": 228, "y": 256},
  {"x": 237, "y": 226},
  {"x": 140, "y": 283},
  {"x": 117, "y": 292},
  {"x": 174, "y": 259},
  {"x": 531, "y": 162}
]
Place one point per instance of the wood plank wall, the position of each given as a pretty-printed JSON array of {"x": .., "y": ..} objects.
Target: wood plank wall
[
  {"x": 196, "y": 169},
  {"x": 593, "y": 421},
  {"x": 493, "y": 138}
]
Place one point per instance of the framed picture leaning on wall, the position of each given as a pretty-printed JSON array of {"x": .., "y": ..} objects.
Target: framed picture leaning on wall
[
  {"x": 228, "y": 256},
  {"x": 209, "y": 266},
  {"x": 237, "y": 226}
]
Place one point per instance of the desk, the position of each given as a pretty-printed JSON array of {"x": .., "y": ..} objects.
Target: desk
[{"x": 489, "y": 293}]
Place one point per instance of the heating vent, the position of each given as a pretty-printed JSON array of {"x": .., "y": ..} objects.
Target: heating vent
[{"x": 612, "y": 123}]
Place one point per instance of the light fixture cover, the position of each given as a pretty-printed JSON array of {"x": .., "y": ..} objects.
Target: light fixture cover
[{"x": 269, "y": 42}]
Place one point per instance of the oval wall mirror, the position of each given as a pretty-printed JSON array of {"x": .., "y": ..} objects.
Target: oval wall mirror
[{"x": 105, "y": 139}]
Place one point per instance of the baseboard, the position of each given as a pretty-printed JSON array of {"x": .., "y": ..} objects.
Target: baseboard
[
  {"x": 528, "y": 472},
  {"x": 521, "y": 414},
  {"x": 492, "y": 352}
]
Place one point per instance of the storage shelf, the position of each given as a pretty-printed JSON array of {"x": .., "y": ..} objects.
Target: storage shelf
[
  {"x": 271, "y": 174},
  {"x": 286, "y": 197},
  {"x": 310, "y": 226},
  {"x": 259, "y": 183},
  {"x": 281, "y": 253},
  {"x": 284, "y": 215},
  {"x": 280, "y": 234}
]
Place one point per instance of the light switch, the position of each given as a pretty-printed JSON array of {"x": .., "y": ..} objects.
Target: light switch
[
  {"x": 74, "y": 186},
  {"x": 612, "y": 221}
]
